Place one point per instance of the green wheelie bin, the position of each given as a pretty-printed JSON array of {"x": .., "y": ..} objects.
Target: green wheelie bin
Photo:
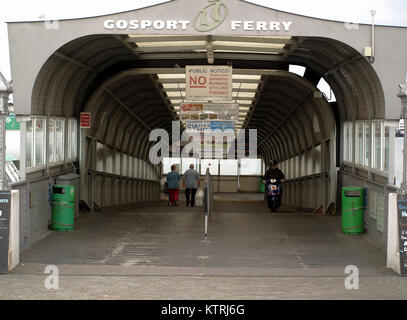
[
  {"x": 262, "y": 187},
  {"x": 353, "y": 209},
  {"x": 63, "y": 208}
]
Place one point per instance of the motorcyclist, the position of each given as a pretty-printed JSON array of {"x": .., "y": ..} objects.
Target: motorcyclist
[{"x": 275, "y": 173}]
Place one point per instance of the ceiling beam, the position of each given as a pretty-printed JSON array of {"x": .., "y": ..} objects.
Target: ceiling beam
[
  {"x": 219, "y": 56},
  {"x": 191, "y": 48},
  {"x": 293, "y": 47},
  {"x": 74, "y": 61},
  {"x": 256, "y": 101},
  {"x": 343, "y": 64},
  {"x": 246, "y": 72},
  {"x": 123, "y": 105},
  {"x": 308, "y": 94},
  {"x": 164, "y": 98},
  {"x": 273, "y": 40},
  {"x": 210, "y": 50},
  {"x": 174, "y": 81},
  {"x": 122, "y": 39},
  {"x": 165, "y": 38},
  {"x": 234, "y": 89},
  {"x": 312, "y": 76},
  {"x": 168, "y": 38},
  {"x": 175, "y": 48},
  {"x": 249, "y": 49}
]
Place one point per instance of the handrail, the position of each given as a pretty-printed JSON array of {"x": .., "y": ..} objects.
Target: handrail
[
  {"x": 375, "y": 183},
  {"x": 116, "y": 176},
  {"x": 309, "y": 177}
]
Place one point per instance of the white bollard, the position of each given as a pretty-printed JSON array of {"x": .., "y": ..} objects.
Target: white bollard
[{"x": 14, "y": 240}]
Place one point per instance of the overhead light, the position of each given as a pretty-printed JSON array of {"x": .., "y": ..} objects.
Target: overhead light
[
  {"x": 246, "y": 77},
  {"x": 173, "y": 85},
  {"x": 171, "y": 75},
  {"x": 256, "y": 45},
  {"x": 244, "y": 85}
]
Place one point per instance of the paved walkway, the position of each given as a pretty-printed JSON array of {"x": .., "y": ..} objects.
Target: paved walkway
[{"x": 158, "y": 252}]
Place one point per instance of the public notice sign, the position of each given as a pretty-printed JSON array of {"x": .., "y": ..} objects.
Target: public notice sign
[
  {"x": 86, "y": 120},
  {"x": 209, "y": 83},
  {"x": 5, "y": 198},
  {"x": 402, "y": 217}
]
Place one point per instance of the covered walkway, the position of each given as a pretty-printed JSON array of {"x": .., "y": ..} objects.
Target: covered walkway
[
  {"x": 244, "y": 239},
  {"x": 132, "y": 81},
  {"x": 156, "y": 252}
]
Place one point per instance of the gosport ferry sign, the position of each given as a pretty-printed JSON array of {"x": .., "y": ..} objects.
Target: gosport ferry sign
[{"x": 209, "y": 18}]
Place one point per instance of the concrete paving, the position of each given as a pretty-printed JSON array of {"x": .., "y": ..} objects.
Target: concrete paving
[{"x": 157, "y": 252}]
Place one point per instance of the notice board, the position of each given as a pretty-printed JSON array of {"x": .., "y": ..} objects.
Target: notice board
[
  {"x": 209, "y": 83},
  {"x": 402, "y": 224}
]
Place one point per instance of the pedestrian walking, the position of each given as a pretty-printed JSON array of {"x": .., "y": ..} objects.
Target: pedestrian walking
[
  {"x": 191, "y": 184},
  {"x": 173, "y": 179}
]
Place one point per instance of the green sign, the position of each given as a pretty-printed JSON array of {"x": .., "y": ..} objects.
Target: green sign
[
  {"x": 211, "y": 17},
  {"x": 11, "y": 123}
]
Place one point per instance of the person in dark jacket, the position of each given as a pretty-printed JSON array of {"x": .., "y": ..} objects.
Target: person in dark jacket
[{"x": 275, "y": 173}]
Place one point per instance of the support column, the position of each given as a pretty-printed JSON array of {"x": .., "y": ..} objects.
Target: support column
[
  {"x": 323, "y": 178},
  {"x": 333, "y": 172},
  {"x": 391, "y": 164},
  {"x": 23, "y": 153},
  {"x": 314, "y": 199},
  {"x": 93, "y": 175},
  {"x": 82, "y": 165}
]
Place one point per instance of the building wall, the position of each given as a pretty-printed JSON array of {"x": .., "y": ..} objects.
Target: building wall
[{"x": 28, "y": 37}]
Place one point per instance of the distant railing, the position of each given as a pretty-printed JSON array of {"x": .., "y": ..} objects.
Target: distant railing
[{"x": 208, "y": 203}]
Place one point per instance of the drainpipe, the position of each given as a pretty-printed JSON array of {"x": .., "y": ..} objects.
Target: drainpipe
[{"x": 372, "y": 58}]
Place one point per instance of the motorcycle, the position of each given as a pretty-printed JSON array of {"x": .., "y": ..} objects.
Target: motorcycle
[{"x": 273, "y": 194}]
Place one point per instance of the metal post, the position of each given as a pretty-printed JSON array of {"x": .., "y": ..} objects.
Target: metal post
[
  {"x": 373, "y": 12},
  {"x": 5, "y": 91},
  {"x": 403, "y": 96}
]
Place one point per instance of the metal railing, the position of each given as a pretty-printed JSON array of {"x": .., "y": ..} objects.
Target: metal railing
[{"x": 208, "y": 203}]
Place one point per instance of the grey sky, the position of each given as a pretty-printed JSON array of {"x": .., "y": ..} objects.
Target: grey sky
[{"x": 389, "y": 12}]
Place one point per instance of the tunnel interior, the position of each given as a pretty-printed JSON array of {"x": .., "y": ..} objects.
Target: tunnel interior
[{"x": 133, "y": 84}]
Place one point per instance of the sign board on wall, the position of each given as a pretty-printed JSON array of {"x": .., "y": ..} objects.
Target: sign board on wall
[
  {"x": 5, "y": 199},
  {"x": 209, "y": 83},
  {"x": 86, "y": 120},
  {"x": 210, "y": 111},
  {"x": 11, "y": 123},
  {"x": 204, "y": 126},
  {"x": 402, "y": 219}
]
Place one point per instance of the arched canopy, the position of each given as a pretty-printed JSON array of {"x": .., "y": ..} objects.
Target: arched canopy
[
  {"x": 356, "y": 85},
  {"x": 99, "y": 74},
  {"x": 289, "y": 116}
]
